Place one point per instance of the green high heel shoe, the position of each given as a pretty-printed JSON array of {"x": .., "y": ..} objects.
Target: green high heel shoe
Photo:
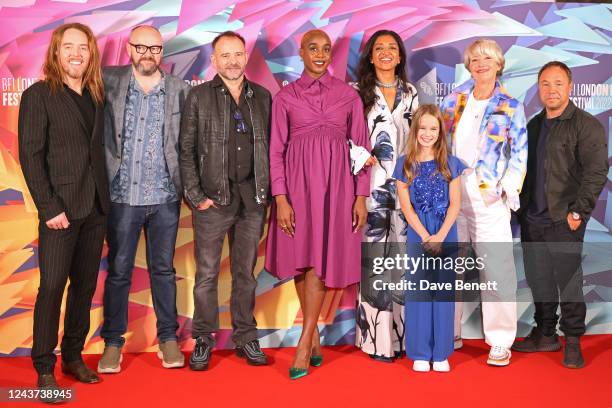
[
  {"x": 316, "y": 361},
  {"x": 295, "y": 373}
]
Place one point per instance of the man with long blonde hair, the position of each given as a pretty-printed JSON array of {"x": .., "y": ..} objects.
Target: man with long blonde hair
[{"x": 61, "y": 129}]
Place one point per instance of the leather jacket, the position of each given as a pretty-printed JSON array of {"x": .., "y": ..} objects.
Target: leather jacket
[
  {"x": 204, "y": 142},
  {"x": 576, "y": 163}
]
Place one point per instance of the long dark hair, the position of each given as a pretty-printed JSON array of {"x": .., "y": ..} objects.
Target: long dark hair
[{"x": 366, "y": 75}]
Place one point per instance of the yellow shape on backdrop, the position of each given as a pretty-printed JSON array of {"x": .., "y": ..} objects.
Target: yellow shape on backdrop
[
  {"x": 275, "y": 309},
  {"x": 142, "y": 334},
  {"x": 184, "y": 298},
  {"x": 20, "y": 328},
  {"x": 184, "y": 261},
  {"x": 11, "y": 261},
  {"x": 5, "y": 245},
  {"x": 17, "y": 226},
  {"x": 31, "y": 280},
  {"x": 10, "y": 172},
  {"x": 95, "y": 321},
  {"x": 184, "y": 236},
  {"x": 330, "y": 305},
  {"x": 142, "y": 298},
  {"x": 8, "y": 295}
]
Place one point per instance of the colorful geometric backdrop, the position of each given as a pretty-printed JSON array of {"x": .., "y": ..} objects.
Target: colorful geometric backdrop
[{"x": 435, "y": 33}]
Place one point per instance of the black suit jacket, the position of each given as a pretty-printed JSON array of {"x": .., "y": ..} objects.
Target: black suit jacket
[{"x": 63, "y": 165}]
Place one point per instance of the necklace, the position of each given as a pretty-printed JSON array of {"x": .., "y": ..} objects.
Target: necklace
[{"x": 390, "y": 85}]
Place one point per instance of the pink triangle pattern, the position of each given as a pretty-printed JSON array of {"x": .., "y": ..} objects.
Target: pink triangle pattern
[
  {"x": 462, "y": 12},
  {"x": 340, "y": 61},
  {"x": 196, "y": 11},
  {"x": 400, "y": 24},
  {"x": 250, "y": 7},
  {"x": 250, "y": 34},
  {"x": 99, "y": 22},
  {"x": 362, "y": 20},
  {"x": 15, "y": 27},
  {"x": 333, "y": 30},
  {"x": 279, "y": 30},
  {"x": 257, "y": 70},
  {"x": 441, "y": 31},
  {"x": 271, "y": 14},
  {"x": 341, "y": 7}
]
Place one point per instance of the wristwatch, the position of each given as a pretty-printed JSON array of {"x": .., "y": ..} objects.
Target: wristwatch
[{"x": 576, "y": 216}]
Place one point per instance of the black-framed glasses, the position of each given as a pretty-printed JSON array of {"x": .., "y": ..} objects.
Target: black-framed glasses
[
  {"x": 240, "y": 124},
  {"x": 142, "y": 49}
]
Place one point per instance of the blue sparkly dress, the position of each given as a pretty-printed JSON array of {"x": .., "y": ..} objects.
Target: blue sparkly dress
[{"x": 429, "y": 313}]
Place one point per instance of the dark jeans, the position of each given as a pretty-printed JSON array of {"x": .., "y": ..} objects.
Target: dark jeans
[
  {"x": 245, "y": 228},
  {"x": 125, "y": 222},
  {"x": 72, "y": 253},
  {"x": 552, "y": 255}
]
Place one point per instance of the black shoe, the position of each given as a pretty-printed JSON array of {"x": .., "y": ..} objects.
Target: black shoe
[
  {"x": 80, "y": 371},
  {"x": 252, "y": 352},
  {"x": 51, "y": 394},
  {"x": 536, "y": 341},
  {"x": 572, "y": 355},
  {"x": 200, "y": 356},
  {"x": 382, "y": 359}
]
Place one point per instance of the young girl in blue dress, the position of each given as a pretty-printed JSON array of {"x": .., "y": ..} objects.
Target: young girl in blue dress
[{"x": 428, "y": 188}]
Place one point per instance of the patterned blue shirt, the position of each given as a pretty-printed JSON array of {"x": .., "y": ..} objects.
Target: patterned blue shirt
[{"x": 143, "y": 177}]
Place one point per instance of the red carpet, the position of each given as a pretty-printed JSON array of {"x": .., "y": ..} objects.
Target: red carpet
[{"x": 347, "y": 379}]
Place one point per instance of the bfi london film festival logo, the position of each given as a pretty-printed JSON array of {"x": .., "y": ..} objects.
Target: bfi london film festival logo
[{"x": 12, "y": 88}]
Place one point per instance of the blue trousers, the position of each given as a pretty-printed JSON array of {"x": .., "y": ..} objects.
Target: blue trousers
[
  {"x": 125, "y": 223},
  {"x": 429, "y": 314}
]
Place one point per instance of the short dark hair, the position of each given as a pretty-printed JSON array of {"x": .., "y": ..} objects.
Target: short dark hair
[
  {"x": 557, "y": 64},
  {"x": 228, "y": 34}
]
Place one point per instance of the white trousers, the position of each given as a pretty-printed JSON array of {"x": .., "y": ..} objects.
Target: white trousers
[{"x": 487, "y": 227}]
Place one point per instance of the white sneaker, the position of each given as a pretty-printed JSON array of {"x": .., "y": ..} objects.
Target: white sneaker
[
  {"x": 499, "y": 356},
  {"x": 458, "y": 343},
  {"x": 421, "y": 366},
  {"x": 441, "y": 366}
]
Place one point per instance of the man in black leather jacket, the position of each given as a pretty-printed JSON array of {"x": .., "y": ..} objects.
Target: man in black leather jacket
[
  {"x": 225, "y": 171},
  {"x": 567, "y": 168}
]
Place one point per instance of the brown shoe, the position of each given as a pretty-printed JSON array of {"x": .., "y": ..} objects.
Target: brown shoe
[
  {"x": 537, "y": 341},
  {"x": 80, "y": 371},
  {"x": 572, "y": 355},
  {"x": 46, "y": 382}
]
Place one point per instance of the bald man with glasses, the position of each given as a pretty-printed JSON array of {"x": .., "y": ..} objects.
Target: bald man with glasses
[{"x": 142, "y": 118}]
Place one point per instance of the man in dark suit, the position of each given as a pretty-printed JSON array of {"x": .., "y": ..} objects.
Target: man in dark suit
[{"x": 61, "y": 128}]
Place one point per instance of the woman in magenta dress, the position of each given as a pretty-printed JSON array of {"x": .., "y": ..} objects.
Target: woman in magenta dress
[{"x": 319, "y": 207}]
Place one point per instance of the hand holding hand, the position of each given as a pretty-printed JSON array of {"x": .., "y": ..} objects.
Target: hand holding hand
[{"x": 433, "y": 244}]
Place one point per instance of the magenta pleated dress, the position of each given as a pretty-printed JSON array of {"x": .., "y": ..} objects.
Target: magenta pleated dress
[{"x": 309, "y": 162}]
